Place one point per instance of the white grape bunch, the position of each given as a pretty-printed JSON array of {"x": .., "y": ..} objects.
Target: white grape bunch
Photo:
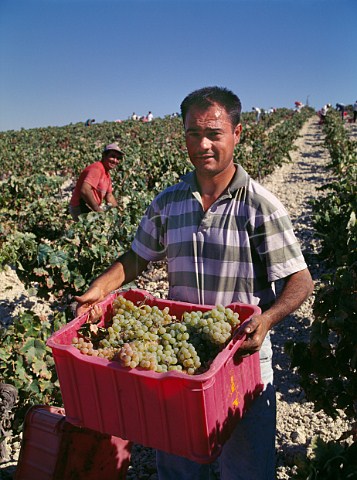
[{"x": 150, "y": 338}]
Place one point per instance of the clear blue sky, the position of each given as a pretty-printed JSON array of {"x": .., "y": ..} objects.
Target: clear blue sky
[{"x": 63, "y": 61}]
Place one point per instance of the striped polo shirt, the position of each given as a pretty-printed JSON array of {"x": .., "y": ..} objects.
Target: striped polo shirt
[{"x": 233, "y": 252}]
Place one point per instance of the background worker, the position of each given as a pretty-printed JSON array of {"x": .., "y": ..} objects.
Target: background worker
[
  {"x": 323, "y": 113},
  {"x": 341, "y": 107},
  {"x": 257, "y": 113},
  {"x": 226, "y": 239},
  {"x": 94, "y": 185}
]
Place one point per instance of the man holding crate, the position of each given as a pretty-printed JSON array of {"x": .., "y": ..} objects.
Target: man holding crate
[{"x": 226, "y": 239}]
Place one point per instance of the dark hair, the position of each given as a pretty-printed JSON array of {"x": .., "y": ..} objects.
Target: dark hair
[{"x": 207, "y": 96}]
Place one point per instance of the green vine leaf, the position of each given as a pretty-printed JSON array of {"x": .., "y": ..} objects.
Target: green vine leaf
[{"x": 33, "y": 349}]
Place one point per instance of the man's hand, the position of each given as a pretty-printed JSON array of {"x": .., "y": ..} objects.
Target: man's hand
[
  {"x": 124, "y": 270},
  {"x": 95, "y": 314},
  {"x": 110, "y": 199},
  {"x": 297, "y": 288},
  {"x": 88, "y": 300},
  {"x": 255, "y": 329}
]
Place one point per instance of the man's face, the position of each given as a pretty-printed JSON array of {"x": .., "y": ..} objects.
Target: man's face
[
  {"x": 111, "y": 159},
  {"x": 210, "y": 139}
]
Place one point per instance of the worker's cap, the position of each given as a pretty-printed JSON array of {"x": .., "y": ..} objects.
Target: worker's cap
[{"x": 113, "y": 146}]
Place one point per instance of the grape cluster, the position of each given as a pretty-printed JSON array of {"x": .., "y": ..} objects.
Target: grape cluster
[{"x": 147, "y": 337}]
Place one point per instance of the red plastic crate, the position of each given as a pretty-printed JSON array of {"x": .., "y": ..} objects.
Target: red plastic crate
[
  {"x": 53, "y": 449},
  {"x": 187, "y": 415}
]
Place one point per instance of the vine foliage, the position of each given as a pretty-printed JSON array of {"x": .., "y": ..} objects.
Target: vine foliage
[{"x": 328, "y": 364}]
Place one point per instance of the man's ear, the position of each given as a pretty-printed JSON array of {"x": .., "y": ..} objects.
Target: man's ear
[{"x": 237, "y": 133}]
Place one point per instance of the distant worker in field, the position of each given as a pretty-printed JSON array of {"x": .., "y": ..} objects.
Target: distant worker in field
[
  {"x": 323, "y": 112},
  {"x": 355, "y": 112},
  {"x": 95, "y": 184},
  {"x": 150, "y": 117},
  {"x": 340, "y": 107},
  {"x": 298, "y": 106},
  {"x": 257, "y": 113},
  {"x": 89, "y": 122}
]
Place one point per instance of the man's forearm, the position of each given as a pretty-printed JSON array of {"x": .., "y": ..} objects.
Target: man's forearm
[
  {"x": 297, "y": 289},
  {"x": 88, "y": 197},
  {"x": 90, "y": 201},
  {"x": 122, "y": 271}
]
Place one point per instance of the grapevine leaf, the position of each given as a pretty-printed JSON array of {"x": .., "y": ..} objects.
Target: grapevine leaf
[
  {"x": 65, "y": 274},
  {"x": 32, "y": 349},
  {"x": 40, "y": 369},
  {"x": 33, "y": 387},
  {"x": 43, "y": 253},
  {"x": 57, "y": 258},
  {"x": 78, "y": 282},
  {"x": 40, "y": 272},
  {"x": 5, "y": 355},
  {"x": 21, "y": 373}
]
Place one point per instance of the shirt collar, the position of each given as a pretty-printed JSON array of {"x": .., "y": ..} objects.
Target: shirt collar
[{"x": 238, "y": 181}]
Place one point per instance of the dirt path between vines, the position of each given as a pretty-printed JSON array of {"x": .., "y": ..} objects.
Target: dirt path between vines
[{"x": 295, "y": 183}]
